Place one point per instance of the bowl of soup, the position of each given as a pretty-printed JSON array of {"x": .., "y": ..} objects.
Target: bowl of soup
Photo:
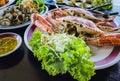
[{"x": 9, "y": 43}]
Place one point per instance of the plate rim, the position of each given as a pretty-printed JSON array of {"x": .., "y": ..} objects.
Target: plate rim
[
  {"x": 111, "y": 63},
  {"x": 25, "y": 36},
  {"x": 103, "y": 66},
  {"x": 117, "y": 59},
  {"x": 20, "y": 25}
]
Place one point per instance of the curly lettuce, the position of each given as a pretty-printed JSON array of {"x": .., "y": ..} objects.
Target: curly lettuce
[{"x": 62, "y": 53}]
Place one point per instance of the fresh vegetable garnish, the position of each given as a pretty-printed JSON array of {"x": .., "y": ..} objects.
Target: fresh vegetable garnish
[
  {"x": 38, "y": 5},
  {"x": 62, "y": 53}
]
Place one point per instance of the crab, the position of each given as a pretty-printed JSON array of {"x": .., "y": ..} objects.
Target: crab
[
  {"x": 102, "y": 23},
  {"x": 68, "y": 24},
  {"x": 72, "y": 11},
  {"x": 78, "y": 26}
]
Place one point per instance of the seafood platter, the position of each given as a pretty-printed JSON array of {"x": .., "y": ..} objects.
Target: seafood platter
[
  {"x": 101, "y": 35},
  {"x": 17, "y": 15},
  {"x": 64, "y": 40}
]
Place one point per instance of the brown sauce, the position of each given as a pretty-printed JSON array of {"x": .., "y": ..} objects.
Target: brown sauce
[{"x": 7, "y": 44}]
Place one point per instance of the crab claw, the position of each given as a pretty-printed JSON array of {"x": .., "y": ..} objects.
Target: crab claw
[
  {"x": 112, "y": 39},
  {"x": 108, "y": 27},
  {"x": 41, "y": 23}
]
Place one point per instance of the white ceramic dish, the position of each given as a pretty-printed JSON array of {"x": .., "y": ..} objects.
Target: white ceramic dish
[
  {"x": 103, "y": 57},
  {"x": 14, "y": 35},
  {"x": 9, "y": 3},
  {"x": 20, "y": 25}
]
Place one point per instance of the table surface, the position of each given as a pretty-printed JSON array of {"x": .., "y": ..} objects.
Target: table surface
[{"x": 22, "y": 66}]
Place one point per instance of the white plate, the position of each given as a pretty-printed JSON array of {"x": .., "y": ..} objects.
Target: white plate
[
  {"x": 103, "y": 57},
  {"x": 106, "y": 56},
  {"x": 14, "y": 35},
  {"x": 20, "y": 25},
  {"x": 9, "y": 3}
]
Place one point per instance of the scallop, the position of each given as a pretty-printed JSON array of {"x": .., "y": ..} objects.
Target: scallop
[
  {"x": 21, "y": 17},
  {"x": 5, "y": 22},
  {"x": 19, "y": 13},
  {"x": 9, "y": 16},
  {"x": 14, "y": 15},
  {"x": 1, "y": 17},
  {"x": 26, "y": 19},
  {"x": 16, "y": 22},
  {"x": 5, "y": 11},
  {"x": 21, "y": 6}
]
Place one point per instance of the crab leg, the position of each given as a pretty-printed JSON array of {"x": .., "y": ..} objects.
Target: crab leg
[
  {"x": 108, "y": 27},
  {"x": 41, "y": 23},
  {"x": 72, "y": 11},
  {"x": 112, "y": 39},
  {"x": 83, "y": 13}
]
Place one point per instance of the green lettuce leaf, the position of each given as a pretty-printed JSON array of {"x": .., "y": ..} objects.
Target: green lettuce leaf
[{"x": 62, "y": 53}]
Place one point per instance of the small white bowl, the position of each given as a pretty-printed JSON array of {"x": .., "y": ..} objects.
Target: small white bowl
[{"x": 14, "y": 35}]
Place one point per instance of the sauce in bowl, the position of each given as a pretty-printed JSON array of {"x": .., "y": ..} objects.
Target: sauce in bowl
[{"x": 7, "y": 44}]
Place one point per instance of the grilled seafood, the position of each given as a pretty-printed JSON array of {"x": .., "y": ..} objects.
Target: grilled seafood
[
  {"x": 101, "y": 23},
  {"x": 108, "y": 27},
  {"x": 106, "y": 40},
  {"x": 72, "y": 12},
  {"x": 68, "y": 24},
  {"x": 77, "y": 26}
]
